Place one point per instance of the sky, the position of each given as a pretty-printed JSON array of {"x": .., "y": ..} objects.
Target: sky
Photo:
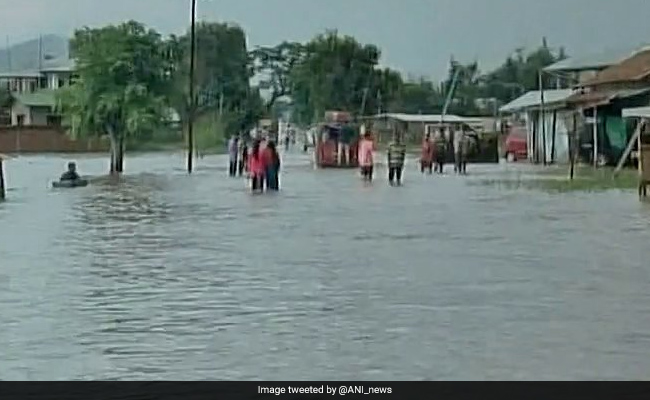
[{"x": 417, "y": 37}]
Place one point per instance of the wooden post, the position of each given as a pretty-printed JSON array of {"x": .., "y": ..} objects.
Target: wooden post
[
  {"x": 192, "y": 105},
  {"x": 630, "y": 146},
  {"x": 553, "y": 133},
  {"x": 574, "y": 148},
  {"x": 595, "y": 139},
  {"x": 543, "y": 114},
  {"x": 3, "y": 192}
]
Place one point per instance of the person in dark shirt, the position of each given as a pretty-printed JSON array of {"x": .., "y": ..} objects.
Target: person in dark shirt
[
  {"x": 71, "y": 174},
  {"x": 243, "y": 157},
  {"x": 396, "y": 156}
]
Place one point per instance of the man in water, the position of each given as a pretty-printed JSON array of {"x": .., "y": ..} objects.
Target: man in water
[
  {"x": 71, "y": 174},
  {"x": 396, "y": 156},
  {"x": 233, "y": 151},
  {"x": 243, "y": 156},
  {"x": 365, "y": 157},
  {"x": 346, "y": 137}
]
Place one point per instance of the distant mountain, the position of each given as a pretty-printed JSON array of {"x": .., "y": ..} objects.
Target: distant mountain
[{"x": 23, "y": 56}]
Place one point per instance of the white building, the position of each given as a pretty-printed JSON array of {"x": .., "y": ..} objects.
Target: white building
[{"x": 34, "y": 92}]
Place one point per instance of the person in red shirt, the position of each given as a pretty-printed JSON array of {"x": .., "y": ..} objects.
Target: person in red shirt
[
  {"x": 268, "y": 157},
  {"x": 256, "y": 168}
]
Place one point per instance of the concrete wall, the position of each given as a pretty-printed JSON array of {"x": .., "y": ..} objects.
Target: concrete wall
[
  {"x": 45, "y": 140},
  {"x": 542, "y": 127},
  {"x": 20, "y": 109}
]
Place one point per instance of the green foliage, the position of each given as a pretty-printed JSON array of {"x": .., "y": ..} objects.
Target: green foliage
[
  {"x": 338, "y": 72},
  {"x": 121, "y": 85},
  {"x": 222, "y": 74},
  {"x": 5, "y": 98},
  {"x": 275, "y": 65}
]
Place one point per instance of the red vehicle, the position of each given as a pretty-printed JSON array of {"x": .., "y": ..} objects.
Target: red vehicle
[
  {"x": 327, "y": 142},
  {"x": 326, "y": 150},
  {"x": 516, "y": 144}
]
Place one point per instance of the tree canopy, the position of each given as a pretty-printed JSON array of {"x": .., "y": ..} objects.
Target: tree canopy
[
  {"x": 121, "y": 86},
  {"x": 130, "y": 77}
]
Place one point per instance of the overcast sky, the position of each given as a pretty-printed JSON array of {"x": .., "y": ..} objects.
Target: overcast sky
[{"x": 416, "y": 36}]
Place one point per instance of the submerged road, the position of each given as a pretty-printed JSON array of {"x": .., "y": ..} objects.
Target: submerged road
[{"x": 169, "y": 276}]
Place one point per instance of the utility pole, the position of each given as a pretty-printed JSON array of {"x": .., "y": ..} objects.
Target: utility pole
[
  {"x": 192, "y": 105},
  {"x": 8, "y": 47},
  {"x": 40, "y": 52}
]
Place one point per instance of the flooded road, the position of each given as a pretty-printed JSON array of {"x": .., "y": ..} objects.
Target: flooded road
[{"x": 169, "y": 276}]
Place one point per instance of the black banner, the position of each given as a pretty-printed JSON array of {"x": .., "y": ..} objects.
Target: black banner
[{"x": 323, "y": 390}]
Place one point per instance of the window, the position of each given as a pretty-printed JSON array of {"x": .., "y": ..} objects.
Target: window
[
  {"x": 53, "y": 120},
  {"x": 61, "y": 83},
  {"x": 32, "y": 86}
]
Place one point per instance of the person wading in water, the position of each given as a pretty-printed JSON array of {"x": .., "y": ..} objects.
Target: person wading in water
[
  {"x": 233, "y": 150},
  {"x": 256, "y": 168},
  {"x": 440, "y": 143},
  {"x": 396, "y": 156},
  {"x": 243, "y": 156},
  {"x": 366, "y": 158},
  {"x": 426, "y": 157},
  {"x": 271, "y": 160}
]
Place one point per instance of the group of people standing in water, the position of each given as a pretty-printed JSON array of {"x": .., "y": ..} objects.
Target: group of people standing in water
[
  {"x": 432, "y": 159},
  {"x": 435, "y": 151},
  {"x": 261, "y": 163}
]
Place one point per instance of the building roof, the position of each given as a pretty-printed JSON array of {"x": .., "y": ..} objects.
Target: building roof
[
  {"x": 633, "y": 68},
  {"x": 40, "y": 98},
  {"x": 20, "y": 74},
  {"x": 593, "y": 61},
  {"x": 430, "y": 118},
  {"x": 600, "y": 97},
  {"x": 534, "y": 99},
  {"x": 642, "y": 112},
  {"x": 58, "y": 65}
]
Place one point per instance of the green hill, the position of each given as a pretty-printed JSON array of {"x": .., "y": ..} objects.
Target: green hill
[{"x": 23, "y": 56}]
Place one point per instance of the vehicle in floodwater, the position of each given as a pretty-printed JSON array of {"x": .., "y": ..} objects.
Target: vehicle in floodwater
[{"x": 327, "y": 142}]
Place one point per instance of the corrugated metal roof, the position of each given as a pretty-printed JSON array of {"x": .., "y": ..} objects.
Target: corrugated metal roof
[
  {"x": 598, "y": 60},
  {"x": 599, "y": 97},
  {"x": 632, "y": 68},
  {"x": 534, "y": 99},
  {"x": 643, "y": 112},
  {"x": 430, "y": 118}
]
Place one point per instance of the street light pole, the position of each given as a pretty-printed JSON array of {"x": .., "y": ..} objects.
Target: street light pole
[{"x": 192, "y": 105}]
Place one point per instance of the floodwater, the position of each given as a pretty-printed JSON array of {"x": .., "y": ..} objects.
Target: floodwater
[{"x": 169, "y": 276}]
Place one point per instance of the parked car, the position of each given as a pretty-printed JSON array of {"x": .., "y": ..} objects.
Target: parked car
[{"x": 516, "y": 144}]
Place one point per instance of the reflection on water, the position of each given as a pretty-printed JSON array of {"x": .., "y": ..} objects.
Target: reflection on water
[{"x": 167, "y": 276}]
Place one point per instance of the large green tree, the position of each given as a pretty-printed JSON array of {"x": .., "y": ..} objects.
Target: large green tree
[
  {"x": 224, "y": 96},
  {"x": 339, "y": 73},
  {"x": 121, "y": 87},
  {"x": 274, "y": 65}
]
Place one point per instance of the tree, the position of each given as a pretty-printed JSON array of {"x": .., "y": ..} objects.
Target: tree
[
  {"x": 339, "y": 73},
  {"x": 275, "y": 65},
  {"x": 222, "y": 76},
  {"x": 519, "y": 73},
  {"x": 121, "y": 86}
]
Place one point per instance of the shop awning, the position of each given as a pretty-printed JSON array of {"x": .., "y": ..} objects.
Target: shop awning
[
  {"x": 602, "y": 97},
  {"x": 636, "y": 112}
]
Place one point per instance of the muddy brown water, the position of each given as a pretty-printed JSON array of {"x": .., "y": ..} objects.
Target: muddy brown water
[{"x": 169, "y": 276}]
